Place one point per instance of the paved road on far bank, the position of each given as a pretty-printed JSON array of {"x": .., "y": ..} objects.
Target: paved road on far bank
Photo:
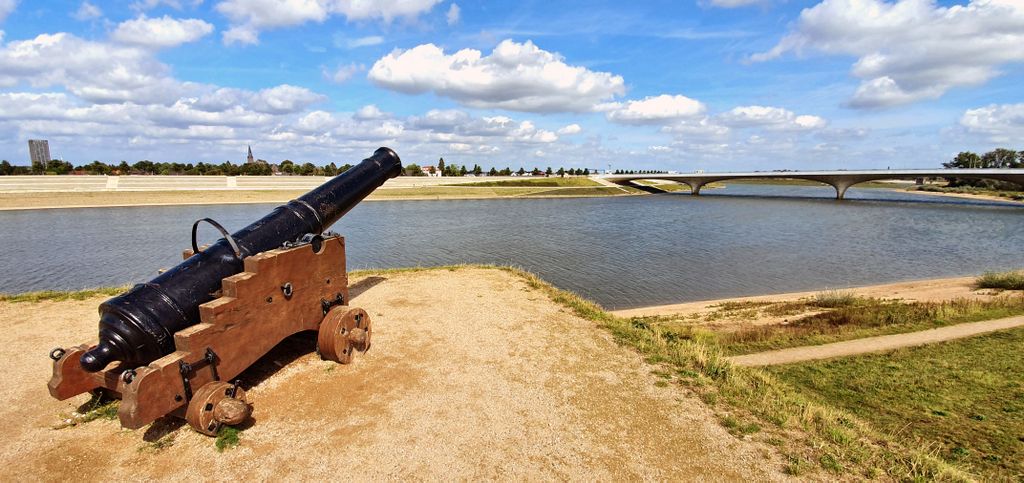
[{"x": 875, "y": 344}]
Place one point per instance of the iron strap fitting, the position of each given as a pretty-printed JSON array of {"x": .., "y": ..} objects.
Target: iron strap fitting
[
  {"x": 327, "y": 305},
  {"x": 187, "y": 370}
]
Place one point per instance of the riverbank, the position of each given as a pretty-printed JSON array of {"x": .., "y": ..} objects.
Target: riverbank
[
  {"x": 460, "y": 401},
  {"x": 454, "y": 401},
  {"x": 112, "y": 199}
]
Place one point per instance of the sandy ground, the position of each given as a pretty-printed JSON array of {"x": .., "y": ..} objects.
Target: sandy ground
[
  {"x": 110, "y": 199},
  {"x": 876, "y": 344},
  {"x": 968, "y": 196},
  {"x": 472, "y": 375},
  {"x": 918, "y": 290}
]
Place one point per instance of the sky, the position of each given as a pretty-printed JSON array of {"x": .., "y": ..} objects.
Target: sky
[{"x": 713, "y": 85}]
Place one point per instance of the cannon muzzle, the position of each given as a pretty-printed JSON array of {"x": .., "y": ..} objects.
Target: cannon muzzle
[{"x": 138, "y": 327}]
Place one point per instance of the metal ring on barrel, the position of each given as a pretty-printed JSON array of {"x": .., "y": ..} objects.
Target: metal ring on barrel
[{"x": 227, "y": 236}]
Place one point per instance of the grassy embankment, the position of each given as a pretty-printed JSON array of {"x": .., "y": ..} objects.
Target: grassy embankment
[
  {"x": 968, "y": 190},
  {"x": 823, "y": 432},
  {"x": 828, "y": 317},
  {"x": 962, "y": 401}
]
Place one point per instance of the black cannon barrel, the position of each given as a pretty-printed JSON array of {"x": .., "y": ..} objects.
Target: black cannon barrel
[{"x": 138, "y": 326}]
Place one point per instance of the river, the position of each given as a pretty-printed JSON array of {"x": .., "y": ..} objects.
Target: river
[{"x": 621, "y": 252}]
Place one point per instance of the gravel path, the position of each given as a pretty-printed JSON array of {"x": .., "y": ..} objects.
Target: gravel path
[
  {"x": 876, "y": 344},
  {"x": 473, "y": 375}
]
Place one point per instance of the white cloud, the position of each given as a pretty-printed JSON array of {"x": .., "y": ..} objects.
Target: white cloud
[
  {"x": 693, "y": 129},
  {"x": 250, "y": 17},
  {"x": 143, "y": 5},
  {"x": 87, "y": 11},
  {"x": 659, "y": 149},
  {"x": 6, "y": 7},
  {"x": 284, "y": 99},
  {"x": 454, "y": 14},
  {"x": 734, "y": 3},
  {"x": 999, "y": 122},
  {"x": 515, "y": 76},
  {"x": 343, "y": 73},
  {"x": 163, "y": 32},
  {"x": 95, "y": 71},
  {"x": 342, "y": 42},
  {"x": 654, "y": 110},
  {"x": 910, "y": 50},
  {"x": 770, "y": 118},
  {"x": 570, "y": 130},
  {"x": 370, "y": 112}
]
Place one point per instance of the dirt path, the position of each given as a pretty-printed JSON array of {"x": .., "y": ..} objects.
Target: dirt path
[
  {"x": 917, "y": 290},
  {"x": 876, "y": 344},
  {"x": 472, "y": 375}
]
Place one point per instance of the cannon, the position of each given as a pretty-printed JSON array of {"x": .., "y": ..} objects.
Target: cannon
[{"x": 172, "y": 345}]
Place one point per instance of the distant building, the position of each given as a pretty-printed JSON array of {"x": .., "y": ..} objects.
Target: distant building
[
  {"x": 39, "y": 151},
  {"x": 431, "y": 171},
  {"x": 250, "y": 159}
]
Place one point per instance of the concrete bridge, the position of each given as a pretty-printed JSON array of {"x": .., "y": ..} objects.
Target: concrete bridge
[{"x": 840, "y": 180}]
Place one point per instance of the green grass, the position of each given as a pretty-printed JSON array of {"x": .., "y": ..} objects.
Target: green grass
[
  {"x": 98, "y": 407},
  {"x": 1001, "y": 280},
  {"x": 228, "y": 437},
  {"x": 831, "y": 299},
  {"x": 961, "y": 400},
  {"x": 553, "y": 181},
  {"x": 60, "y": 296},
  {"x": 819, "y": 437},
  {"x": 845, "y": 317}
]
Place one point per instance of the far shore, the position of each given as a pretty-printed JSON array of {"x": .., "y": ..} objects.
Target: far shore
[{"x": 43, "y": 200}]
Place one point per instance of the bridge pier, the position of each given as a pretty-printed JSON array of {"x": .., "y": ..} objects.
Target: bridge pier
[{"x": 694, "y": 187}]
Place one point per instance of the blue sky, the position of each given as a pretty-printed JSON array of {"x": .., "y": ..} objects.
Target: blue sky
[{"x": 709, "y": 84}]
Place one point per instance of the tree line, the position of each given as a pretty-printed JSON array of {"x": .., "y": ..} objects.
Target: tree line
[
  {"x": 641, "y": 171},
  {"x": 1000, "y": 158},
  {"x": 457, "y": 170},
  {"x": 147, "y": 167}
]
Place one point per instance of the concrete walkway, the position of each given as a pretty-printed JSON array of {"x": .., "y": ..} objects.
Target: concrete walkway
[{"x": 876, "y": 344}]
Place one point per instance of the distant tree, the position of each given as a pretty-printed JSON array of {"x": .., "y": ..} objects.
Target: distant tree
[
  {"x": 462, "y": 170},
  {"x": 477, "y": 170},
  {"x": 413, "y": 169},
  {"x": 995, "y": 159},
  {"x": 586, "y": 172},
  {"x": 999, "y": 158},
  {"x": 561, "y": 172},
  {"x": 287, "y": 166},
  {"x": 440, "y": 167},
  {"x": 548, "y": 172},
  {"x": 521, "y": 171},
  {"x": 308, "y": 169},
  {"x": 492, "y": 172},
  {"x": 344, "y": 167},
  {"x": 5, "y": 168}
]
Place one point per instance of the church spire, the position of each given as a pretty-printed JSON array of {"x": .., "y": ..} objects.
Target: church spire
[{"x": 249, "y": 159}]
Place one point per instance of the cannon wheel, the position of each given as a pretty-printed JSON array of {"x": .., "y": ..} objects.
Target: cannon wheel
[
  {"x": 202, "y": 407},
  {"x": 343, "y": 331}
]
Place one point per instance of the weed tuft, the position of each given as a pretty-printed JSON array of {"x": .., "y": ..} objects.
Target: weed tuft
[
  {"x": 228, "y": 437},
  {"x": 1013, "y": 280}
]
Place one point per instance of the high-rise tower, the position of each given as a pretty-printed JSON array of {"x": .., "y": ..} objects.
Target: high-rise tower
[{"x": 39, "y": 152}]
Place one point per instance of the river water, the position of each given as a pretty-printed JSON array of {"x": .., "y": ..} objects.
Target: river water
[{"x": 620, "y": 252}]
